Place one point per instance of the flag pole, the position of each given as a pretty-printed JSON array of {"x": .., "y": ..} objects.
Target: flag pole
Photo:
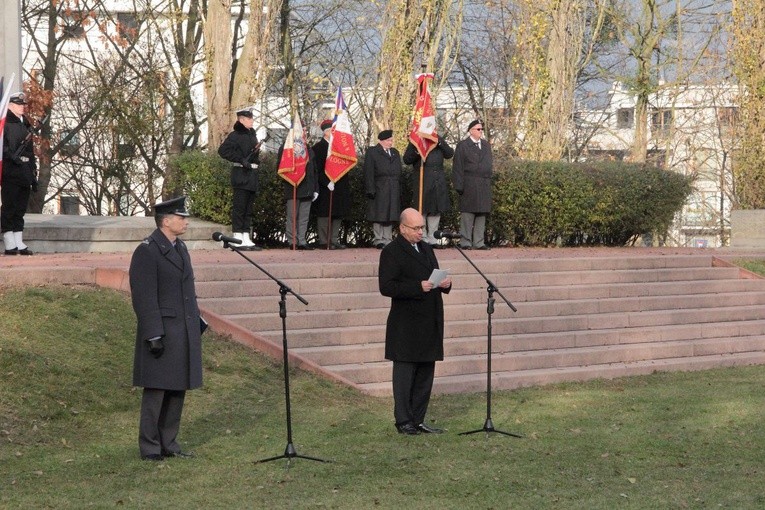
[
  {"x": 294, "y": 216},
  {"x": 329, "y": 219},
  {"x": 422, "y": 163}
]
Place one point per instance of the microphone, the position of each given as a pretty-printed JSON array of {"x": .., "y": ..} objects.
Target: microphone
[
  {"x": 446, "y": 234},
  {"x": 217, "y": 236}
]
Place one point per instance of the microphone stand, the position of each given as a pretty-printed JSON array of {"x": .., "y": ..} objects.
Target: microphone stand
[
  {"x": 488, "y": 425},
  {"x": 289, "y": 452}
]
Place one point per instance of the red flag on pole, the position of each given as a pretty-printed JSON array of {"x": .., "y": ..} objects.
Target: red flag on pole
[
  {"x": 341, "y": 156},
  {"x": 423, "y": 133},
  {"x": 5, "y": 97},
  {"x": 294, "y": 155}
]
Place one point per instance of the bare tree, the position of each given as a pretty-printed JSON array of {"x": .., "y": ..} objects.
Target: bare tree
[{"x": 749, "y": 54}]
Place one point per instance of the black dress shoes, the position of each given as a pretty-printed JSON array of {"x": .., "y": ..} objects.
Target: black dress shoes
[
  {"x": 379, "y": 246},
  {"x": 484, "y": 247},
  {"x": 14, "y": 251},
  {"x": 429, "y": 430},
  {"x": 337, "y": 246},
  {"x": 152, "y": 456},
  {"x": 26, "y": 251},
  {"x": 179, "y": 455},
  {"x": 407, "y": 429}
]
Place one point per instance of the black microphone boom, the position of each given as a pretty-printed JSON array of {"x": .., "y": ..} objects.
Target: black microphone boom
[
  {"x": 446, "y": 234},
  {"x": 218, "y": 236}
]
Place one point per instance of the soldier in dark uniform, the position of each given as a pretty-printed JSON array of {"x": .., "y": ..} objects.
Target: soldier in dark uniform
[
  {"x": 471, "y": 174},
  {"x": 341, "y": 195},
  {"x": 435, "y": 194},
  {"x": 241, "y": 148},
  {"x": 19, "y": 175},
  {"x": 168, "y": 347},
  {"x": 382, "y": 174}
]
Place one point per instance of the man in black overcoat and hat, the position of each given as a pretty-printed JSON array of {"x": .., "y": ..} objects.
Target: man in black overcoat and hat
[
  {"x": 382, "y": 175},
  {"x": 414, "y": 336},
  {"x": 168, "y": 345},
  {"x": 471, "y": 175}
]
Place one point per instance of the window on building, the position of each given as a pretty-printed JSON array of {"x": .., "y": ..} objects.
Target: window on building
[
  {"x": 73, "y": 30},
  {"x": 727, "y": 116},
  {"x": 127, "y": 25},
  {"x": 69, "y": 204},
  {"x": 625, "y": 118},
  {"x": 661, "y": 120},
  {"x": 70, "y": 145}
]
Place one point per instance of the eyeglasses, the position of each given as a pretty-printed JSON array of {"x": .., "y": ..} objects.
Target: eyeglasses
[{"x": 417, "y": 228}]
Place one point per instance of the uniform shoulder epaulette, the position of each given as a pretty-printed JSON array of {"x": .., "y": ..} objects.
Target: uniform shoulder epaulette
[{"x": 146, "y": 240}]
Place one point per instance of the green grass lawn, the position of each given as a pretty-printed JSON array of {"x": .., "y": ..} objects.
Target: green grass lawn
[{"x": 69, "y": 416}]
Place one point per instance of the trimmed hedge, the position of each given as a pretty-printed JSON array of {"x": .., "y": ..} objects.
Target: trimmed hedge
[{"x": 535, "y": 204}]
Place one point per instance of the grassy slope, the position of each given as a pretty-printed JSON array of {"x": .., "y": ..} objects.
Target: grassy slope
[{"x": 68, "y": 425}]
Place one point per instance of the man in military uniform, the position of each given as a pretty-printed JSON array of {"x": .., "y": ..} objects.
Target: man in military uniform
[
  {"x": 168, "y": 346},
  {"x": 242, "y": 149},
  {"x": 19, "y": 175}
]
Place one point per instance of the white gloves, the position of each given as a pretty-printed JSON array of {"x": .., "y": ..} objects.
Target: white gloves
[
  {"x": 331, "y": 186},
  {"x": 315, "y": 196}
]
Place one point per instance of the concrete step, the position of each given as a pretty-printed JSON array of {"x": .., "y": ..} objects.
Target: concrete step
[
  {"x": 474, "y": 383},
  {"x": 305, "y": 319},
  {"x": 309, "y": 337},
  {"x": 505, "y": 282},
  {"x": 577, "y": 318},
  {"x": 460, "y": 346},
  {"x": 364, "y": 300},
  {"x": 379, "y": 371}
]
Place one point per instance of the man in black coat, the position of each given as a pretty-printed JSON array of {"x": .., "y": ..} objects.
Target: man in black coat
[
  {"x": 414, "y": 337},
  {"x": 242, "y": 149},
  {"x": 19, "y": 175},
  {"x": 471, "y": 174},
  {"x": 382, "y": 174},
  {"x": 340, "y": 192},
  {"x": 435, "y": 195},
  {"x": 168, "y": 345}
]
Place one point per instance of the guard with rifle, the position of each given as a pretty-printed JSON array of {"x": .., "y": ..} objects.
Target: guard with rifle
[
  {"x": 242, "y": 149},
  {"x": 19, "y": 177}
]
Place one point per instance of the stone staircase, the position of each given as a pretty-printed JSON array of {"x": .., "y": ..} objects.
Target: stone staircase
[{"x": 577, "y": 318}]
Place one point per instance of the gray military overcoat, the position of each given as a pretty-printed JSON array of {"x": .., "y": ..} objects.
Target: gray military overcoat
[{"x": 165, "y": 304}]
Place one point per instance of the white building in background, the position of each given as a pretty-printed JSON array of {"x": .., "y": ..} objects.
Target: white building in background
[{"x": 690, "y": 131}]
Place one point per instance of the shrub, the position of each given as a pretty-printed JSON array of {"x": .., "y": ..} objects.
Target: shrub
[
  {"x": 555, "y": 203},
  {"x": 535, "y": 204}
]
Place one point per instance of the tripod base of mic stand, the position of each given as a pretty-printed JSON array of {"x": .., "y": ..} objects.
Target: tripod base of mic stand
[
  {"x": 289, "y": 454},
  {"x": 488, "y": 426}
]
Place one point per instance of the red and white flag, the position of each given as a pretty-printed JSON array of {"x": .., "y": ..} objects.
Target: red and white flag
[
  {"x": 341, "y": 156},
  {"x": 423, "y": 133},
  {"x": 5, "y": 96},
  {"x": 294, "y": 155}
]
